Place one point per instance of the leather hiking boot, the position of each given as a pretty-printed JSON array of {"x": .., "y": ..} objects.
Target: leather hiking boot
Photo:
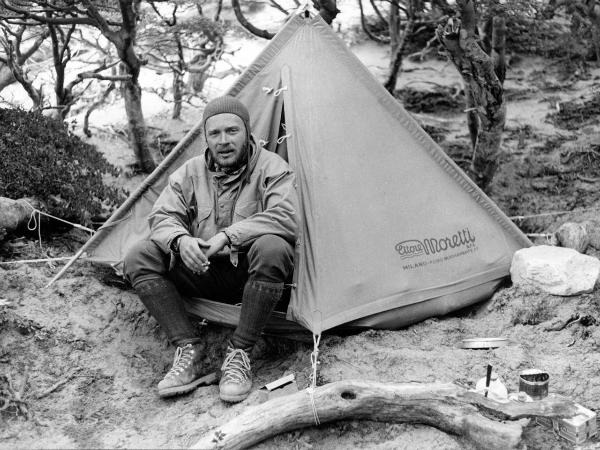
[
  {"x": 236, "y": 376},
  {"x": 185, "y": 375}
]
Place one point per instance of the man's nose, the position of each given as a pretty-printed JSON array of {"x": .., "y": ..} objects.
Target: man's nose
[{"x": 223, "y": 138}]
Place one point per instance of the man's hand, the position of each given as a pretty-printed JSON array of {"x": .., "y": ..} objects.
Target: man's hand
[
  {"x": 216, "y": 243},
  {"x": 193, "y": 252}
]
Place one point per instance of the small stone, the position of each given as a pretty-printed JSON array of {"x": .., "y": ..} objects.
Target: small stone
[
  {"x": 573, "y": 235},
  {"x": 555, "y": 270}
]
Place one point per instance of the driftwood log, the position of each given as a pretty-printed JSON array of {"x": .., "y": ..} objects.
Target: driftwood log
[
  {"x": 13, "y": 214},
  {"x": 448, "y": 407}
]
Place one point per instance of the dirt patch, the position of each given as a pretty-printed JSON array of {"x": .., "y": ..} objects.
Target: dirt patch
[{"x": 109, "y": 354}]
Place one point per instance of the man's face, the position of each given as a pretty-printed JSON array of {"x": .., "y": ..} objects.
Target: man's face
[{"x": 226, "y": 136}]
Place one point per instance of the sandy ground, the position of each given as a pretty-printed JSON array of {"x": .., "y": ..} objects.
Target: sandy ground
[{"x": 90, "y": 356}]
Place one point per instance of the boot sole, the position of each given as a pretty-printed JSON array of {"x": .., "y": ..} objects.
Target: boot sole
[
  {"x": 234, "y": 398},
  {"x": 184, "y": 389}
]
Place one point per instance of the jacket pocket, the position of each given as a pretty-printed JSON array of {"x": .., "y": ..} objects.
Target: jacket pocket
[
  {"x": 245, "y": 210},
  {"x": 201, "y": 219}
]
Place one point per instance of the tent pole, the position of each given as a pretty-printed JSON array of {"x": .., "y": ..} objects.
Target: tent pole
[{"x": 68, "y": 265}]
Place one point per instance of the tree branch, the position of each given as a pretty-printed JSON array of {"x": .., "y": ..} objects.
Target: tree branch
[
  {"x": 23, "y": 13},
  {"x": 167, "y": 22},
  {"x": 365, "y": 27},
  {"x": 86, "y": 119},
  {"x": 398, "y": 53},
  {"x": 218, "y": 10},
  {"x": 378, "y": 12},
  {"x": 246, "y": 24},
  {"x": 84, "y": 75},
  {"x": 278, "y": 6},
  {"x": 102, "y": 24}
]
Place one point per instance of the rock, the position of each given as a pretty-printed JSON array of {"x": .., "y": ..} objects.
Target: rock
[
  {"x": 556, "y": 270},
  {"x": 573, "y": 235},
  {"x": 13, "y": 214},
  {"x": 592, "y": 227}
]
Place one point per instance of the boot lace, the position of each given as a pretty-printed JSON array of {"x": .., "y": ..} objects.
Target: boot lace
[
  {"x": 183, "y": 357},
  {"x": 236, "y": 366}
]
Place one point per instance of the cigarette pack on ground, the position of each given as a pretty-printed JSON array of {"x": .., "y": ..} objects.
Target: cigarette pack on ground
[
  {"x": 283, "y": 386},
  {"x": 576, "y": 429}
]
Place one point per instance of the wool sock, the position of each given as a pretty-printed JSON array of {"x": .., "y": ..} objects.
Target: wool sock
[
  {"x": 165, "y": 304},
  {"x": 258, "y": 302}
]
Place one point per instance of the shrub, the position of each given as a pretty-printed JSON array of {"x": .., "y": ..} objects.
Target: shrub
[
  {"x": 533, "y": 29},
  {"x": 39, "y": 158}
]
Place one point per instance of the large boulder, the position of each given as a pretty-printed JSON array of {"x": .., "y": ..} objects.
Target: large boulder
[
  {"x": 573, "y": 235},
  {"x": 556, "y": 270},
  {"x": 592, "y": 227}
]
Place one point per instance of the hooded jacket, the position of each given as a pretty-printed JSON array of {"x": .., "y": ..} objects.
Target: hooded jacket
[{"x": 258, "y": 199}]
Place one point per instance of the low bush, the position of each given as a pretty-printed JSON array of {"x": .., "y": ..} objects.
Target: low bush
[{"x": 39, "y": 158}]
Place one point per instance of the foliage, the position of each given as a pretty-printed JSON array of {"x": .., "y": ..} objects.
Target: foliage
[
  {"x": 537, "y": 28},
  {"x": 438, "y": 100},
  {"x": 39, "y": 158},
  {"x": 574, "y": 115},
  {"x": 438, "y": 134},
  {"x": 533, "y": 312}
]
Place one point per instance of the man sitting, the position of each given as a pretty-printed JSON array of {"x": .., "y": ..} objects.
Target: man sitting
[{"x": 223, "y": 229}]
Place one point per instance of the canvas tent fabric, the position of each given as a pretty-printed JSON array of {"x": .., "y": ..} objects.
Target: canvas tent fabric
[{"x": 392, "y": 231}]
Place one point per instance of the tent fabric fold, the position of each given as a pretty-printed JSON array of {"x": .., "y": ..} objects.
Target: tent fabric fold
[{"x": 392, "y": 231}]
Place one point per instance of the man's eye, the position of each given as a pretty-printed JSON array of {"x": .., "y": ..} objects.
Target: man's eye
[
  {"x": 213, "y": 133},
  {"x": 233, "y": 130}
]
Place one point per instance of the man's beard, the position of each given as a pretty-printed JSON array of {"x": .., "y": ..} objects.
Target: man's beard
[{"x": 231, "y": 165}]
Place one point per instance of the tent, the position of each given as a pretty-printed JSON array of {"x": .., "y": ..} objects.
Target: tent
[{"x": 392, "y": 230}]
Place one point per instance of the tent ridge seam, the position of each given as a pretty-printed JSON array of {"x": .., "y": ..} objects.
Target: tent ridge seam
[
  {"x": 274, "y": 47},
  {"x": 400, "y": 114}
]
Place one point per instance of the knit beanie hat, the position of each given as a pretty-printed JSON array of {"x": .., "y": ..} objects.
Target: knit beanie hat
[{"x": 227, "y": 104}]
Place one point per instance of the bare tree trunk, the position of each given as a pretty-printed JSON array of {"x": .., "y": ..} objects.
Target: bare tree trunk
[
  {"x": 218, "y": 11},
  {"x": 86, "y": 119},
  {"x": 15, "y": 59},
  {"x": 61, "y": 55},
  {"x": 394, "y": 27},
  {"x": 486, "y": 109},
  {"x": 378, "y": 12},
  {"x": 132, "y": 92},
  {"x": 498, "y": 50},
  {"x": 399, "y": 49},
  {"x": 594, "y": 15},
  {"x": 6, "y": 77},
  {"x": 177, "y": 94},
  {"x": 35, "y": 95},
  {"x": 365, "y": 26},
  {"x": 178, "y": 78}
]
